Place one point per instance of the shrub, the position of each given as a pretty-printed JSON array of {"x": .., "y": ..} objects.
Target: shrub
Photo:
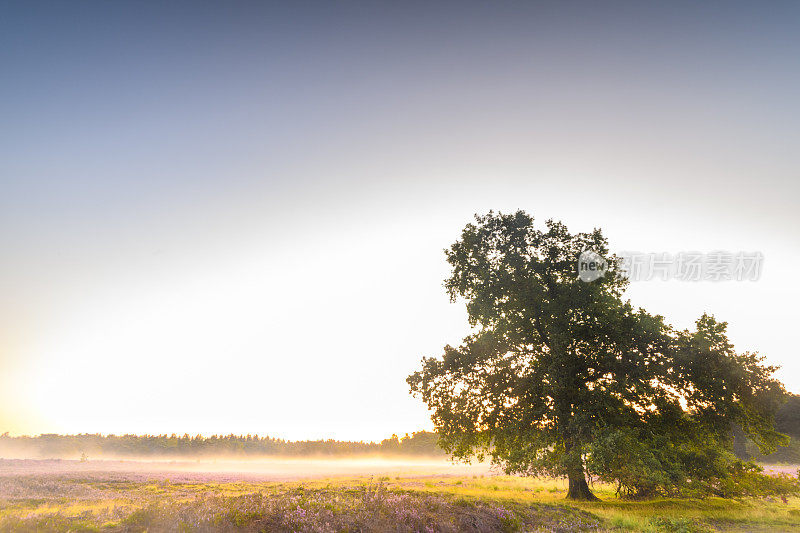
[{"x": 646, "y": 466}]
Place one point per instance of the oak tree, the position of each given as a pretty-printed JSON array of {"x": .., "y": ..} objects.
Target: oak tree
[{"x": 560, "y": 375}]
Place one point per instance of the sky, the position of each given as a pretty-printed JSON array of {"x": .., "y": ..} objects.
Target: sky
[{"x": 230, "y": 217}]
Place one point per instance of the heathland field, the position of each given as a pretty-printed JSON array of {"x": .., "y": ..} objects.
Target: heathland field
[{"x": 333, "y": 496}]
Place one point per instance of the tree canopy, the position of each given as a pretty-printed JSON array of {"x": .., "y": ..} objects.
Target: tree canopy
[{"x": 564, "y": 377}]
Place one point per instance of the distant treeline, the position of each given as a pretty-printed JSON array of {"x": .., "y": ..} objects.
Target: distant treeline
[{"x": 421, "y": 443}]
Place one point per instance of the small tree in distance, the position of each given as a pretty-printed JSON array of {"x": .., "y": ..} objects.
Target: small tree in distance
[{"x": 563, "y": 377}]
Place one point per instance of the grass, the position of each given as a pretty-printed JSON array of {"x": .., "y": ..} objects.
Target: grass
[{"x": 414, "y": 503}]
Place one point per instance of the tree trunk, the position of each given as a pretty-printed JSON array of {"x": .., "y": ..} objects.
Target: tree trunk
[
  {"x": 579, "y": 489},
  {"x": 740, "y": 443}
]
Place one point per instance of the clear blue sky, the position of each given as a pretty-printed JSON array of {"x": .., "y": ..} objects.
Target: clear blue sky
[{"x": 229, "y": 217}]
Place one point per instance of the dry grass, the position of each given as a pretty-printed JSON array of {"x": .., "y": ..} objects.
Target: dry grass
[{"x": 401, "y": 502}]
